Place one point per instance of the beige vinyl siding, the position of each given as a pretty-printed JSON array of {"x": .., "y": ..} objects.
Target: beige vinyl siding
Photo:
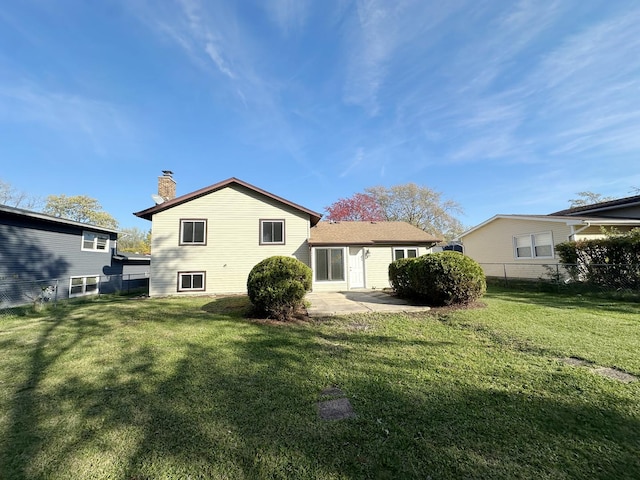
[
  {"x": 232, "y": 244},
  {"x": 377, "y": 266},
  {"x": 492, "y": 245},
  {"x": 376, "y": 269},
  {"x": 594, "y": 232}
]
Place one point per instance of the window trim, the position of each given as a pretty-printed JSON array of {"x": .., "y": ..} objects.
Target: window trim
[
  {"x": 95, "y": 242},
  {"x": 404, "y": 249},
  {"x": 344, "y": 265},
  {"x": 273, "y": 220},
  {"x": 194, "y": 272},
  {"x": 181, "y": 241},
  {"x": 84, "y": 292},
  {"x": 532, "y": 245}
]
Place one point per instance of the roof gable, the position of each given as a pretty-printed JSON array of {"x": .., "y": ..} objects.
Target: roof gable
[
  {"x": 566, "y": 219},
  {"x": 148, "y": 213},
  {"x": 369, "y": 233}
]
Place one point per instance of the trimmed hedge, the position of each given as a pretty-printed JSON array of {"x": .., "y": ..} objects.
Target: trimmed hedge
[
  {"x": 277, "y": 286},
  {"x": 438, "y": 279},
  {"x": 613, "y": 261}
]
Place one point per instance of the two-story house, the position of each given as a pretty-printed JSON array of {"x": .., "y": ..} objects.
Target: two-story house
[
  {"x": 37, "y": 247},
  {"x": 207, "y": 241}
]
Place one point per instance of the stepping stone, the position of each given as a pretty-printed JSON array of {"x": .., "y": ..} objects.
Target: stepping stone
[
  {"x": 578, "y": 362},
  {"x": 615, "y": 374},
  {"x": 612, "y": 373},
  {"x": 336, "y": 409}
]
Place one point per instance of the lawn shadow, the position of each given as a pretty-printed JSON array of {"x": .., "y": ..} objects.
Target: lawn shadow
[
  {"x": 565, "y": 300},
  {"x": 25, "y": 432},
  {"x": 247, "y": 409}
]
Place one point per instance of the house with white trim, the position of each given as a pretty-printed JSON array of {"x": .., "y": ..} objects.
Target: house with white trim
[
  {"x": 35, "y": 247},
  {"x": 525, "y": 243},
  {"x": 207, "y": 241}
]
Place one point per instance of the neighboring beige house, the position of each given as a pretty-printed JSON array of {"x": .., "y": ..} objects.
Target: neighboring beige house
[
  {"x": 519, "y": 245},
  {"x": 207, "y": 241}
]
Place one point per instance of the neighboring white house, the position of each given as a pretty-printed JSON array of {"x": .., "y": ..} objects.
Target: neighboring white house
[
  {"x": 524, "y": 243},
  {"x": 207, "y": 241}
]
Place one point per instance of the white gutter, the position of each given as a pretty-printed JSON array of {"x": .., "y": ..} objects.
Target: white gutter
[{"x": 584, "y": 224}]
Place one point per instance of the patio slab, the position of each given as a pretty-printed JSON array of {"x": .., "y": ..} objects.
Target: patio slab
[{"x": 326, "y": 304}]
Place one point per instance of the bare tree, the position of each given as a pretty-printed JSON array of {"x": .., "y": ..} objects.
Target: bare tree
[
  {"x": 420, "y": 206},
  {"x": 588, "y": 198},
  {"x": 12, "y": 197}
]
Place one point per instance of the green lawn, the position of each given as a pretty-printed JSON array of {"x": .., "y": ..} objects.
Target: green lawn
[{"x": 188, "y": 388}]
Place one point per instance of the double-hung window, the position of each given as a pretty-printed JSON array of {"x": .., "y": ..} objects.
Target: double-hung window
[
  {"x": 329, "y": 264},
  {"x": 411, "y": 252},
  {"x": 533, "y": 245},
  {"x": 191, "y": 281},
  {"x": 79, "y": 286},
  {"x": 193, "y": 232},
  {"x": 272, "y": 232},
  {"x": 95, "y": 242}
]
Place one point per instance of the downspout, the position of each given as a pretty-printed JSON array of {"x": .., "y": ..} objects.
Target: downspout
[{"x": 575, "y": 232}]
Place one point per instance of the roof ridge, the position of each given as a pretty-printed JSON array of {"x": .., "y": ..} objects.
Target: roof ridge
[
  {"x": 149, "y": 212},
  {"x": 599, "y": 205}
]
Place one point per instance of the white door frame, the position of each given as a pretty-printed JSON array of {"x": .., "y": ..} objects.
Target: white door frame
[{"x": 357, "y": 277}]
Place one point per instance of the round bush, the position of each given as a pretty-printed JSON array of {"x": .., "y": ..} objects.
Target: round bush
[
  {"x": 444, "y": 278},
  {"x": 400, "y": 276},
  {"x": 277, "y": 286}
]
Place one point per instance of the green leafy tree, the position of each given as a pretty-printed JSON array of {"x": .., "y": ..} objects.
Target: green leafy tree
[
  {"x": 80, "y": 208},
  {"x": 134, "y": 240},
  {"x": 420, "y": 206}
]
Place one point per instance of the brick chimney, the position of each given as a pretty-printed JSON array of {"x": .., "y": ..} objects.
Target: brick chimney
[{"x": 167, "y": 185}]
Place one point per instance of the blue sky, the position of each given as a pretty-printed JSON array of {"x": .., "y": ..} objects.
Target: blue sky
[{"x": 503, "y": 106}]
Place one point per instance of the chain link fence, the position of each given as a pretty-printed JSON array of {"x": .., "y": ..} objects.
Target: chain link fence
[
  {"x": 603, "y": 278},
  {"x": 16, "y": 293}
]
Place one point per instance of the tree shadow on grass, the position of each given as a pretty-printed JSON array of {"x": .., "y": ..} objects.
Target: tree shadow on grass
[
  {"x": 246, "y": 408},
  {"x": 565, "y": 300},
  {"x": 25, "y": 434}
]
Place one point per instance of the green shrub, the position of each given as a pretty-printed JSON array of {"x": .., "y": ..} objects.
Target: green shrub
[
  {"x": 439, "y": 279},
  {"x": 611, "y": 262},
  {"x": 277, "y": 286},
  {"x": 400, "y": 276}
]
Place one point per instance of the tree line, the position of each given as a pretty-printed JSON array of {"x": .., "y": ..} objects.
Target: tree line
[
  {"x": 79, "y": 208},
  {"x": 418, "y": 205}
]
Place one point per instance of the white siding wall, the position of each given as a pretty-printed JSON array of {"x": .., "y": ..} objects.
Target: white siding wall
[{"x": 233, "y": 234}]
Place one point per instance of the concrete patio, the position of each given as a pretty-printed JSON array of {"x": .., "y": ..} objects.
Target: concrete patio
[{"x": 324, "y": 304}]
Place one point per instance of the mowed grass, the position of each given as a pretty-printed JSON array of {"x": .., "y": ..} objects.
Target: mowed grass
[{"x": 188, "y": 388}]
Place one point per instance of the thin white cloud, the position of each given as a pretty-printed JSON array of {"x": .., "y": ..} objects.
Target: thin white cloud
[
  {"x": 219, "y": 42},
  {"x": 288, "y": 15},
  {"x": 589, "y": 88},
  {"x": 79, "y": 118},
  {"x": 575, "y": 95},
  {"x": 390, "y": 46},
  {"x": 354, "y": 163},
  {"x": 203, "y": 35}
]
